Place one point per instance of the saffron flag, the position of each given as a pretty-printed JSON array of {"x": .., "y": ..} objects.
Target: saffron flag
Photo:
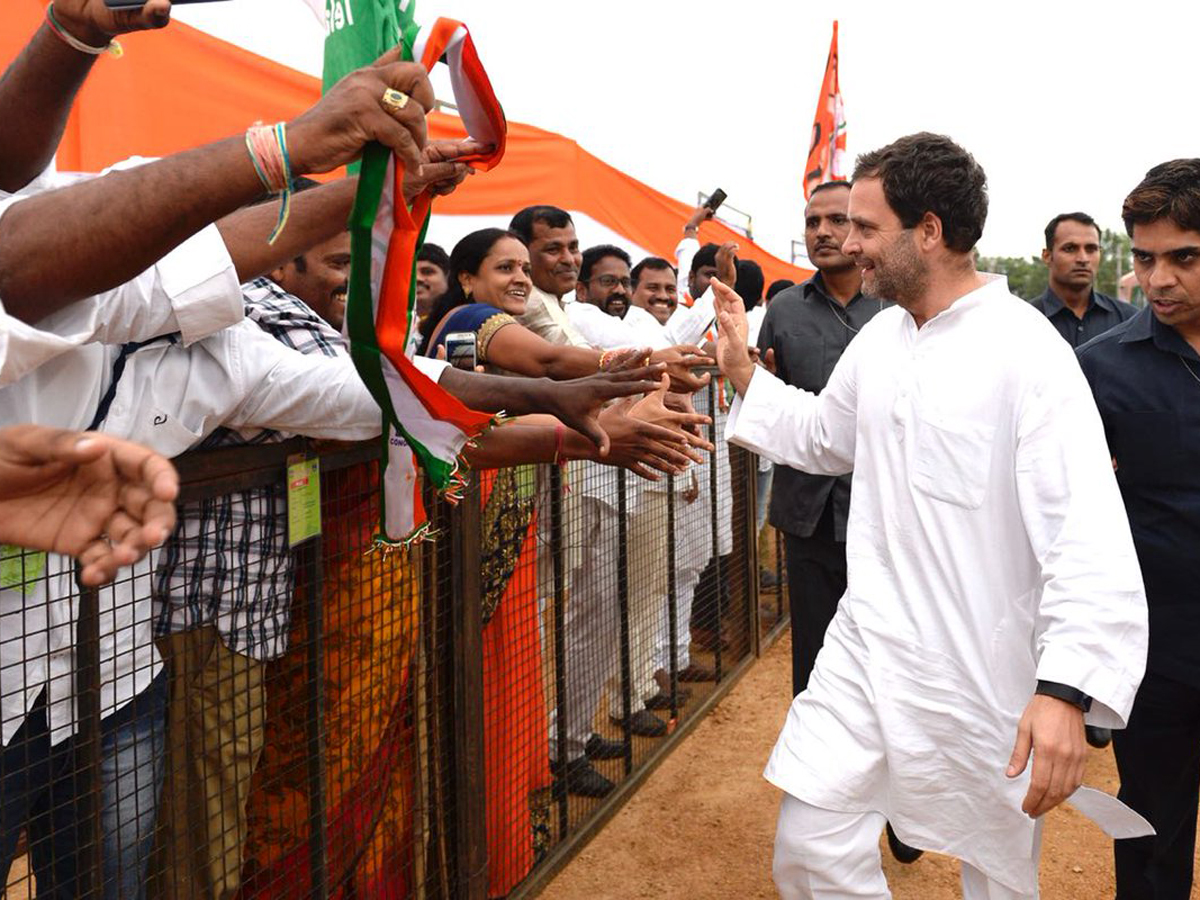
[
  {"x": 419, "y": 418},
  {"x": 827, "y": 153}
]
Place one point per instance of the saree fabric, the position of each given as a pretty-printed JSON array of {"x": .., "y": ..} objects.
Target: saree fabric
[{"x": 369, "y": 618}]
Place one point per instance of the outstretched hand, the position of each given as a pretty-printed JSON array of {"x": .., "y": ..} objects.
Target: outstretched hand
[
  {"x": 577, "y": 403},
  {"x": 680, "y": 360},
  {"x": 1053, "y": 730},
  {"x": 100, "y": 499}
]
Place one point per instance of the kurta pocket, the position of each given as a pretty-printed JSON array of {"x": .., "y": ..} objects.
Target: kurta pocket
[{"x": 953, "y": 459}]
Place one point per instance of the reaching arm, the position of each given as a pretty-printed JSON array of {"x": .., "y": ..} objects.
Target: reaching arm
[
  {"x": 63, "y": 245},
  {"x": 576, "y": 403},
  {"x": 516, "y": 348}
]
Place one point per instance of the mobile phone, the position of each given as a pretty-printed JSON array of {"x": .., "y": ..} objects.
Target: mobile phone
[
  {"x": 460, "y": 350},
  {"x": 134, "y": 4},
  {"x": 715, "y": 199}
]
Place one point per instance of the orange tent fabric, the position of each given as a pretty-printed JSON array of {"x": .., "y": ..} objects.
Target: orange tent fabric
[{"x": 182, "y": 87}]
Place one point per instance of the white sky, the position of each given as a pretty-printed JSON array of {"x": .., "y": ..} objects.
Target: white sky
[{"x": 1064, "y": 104}]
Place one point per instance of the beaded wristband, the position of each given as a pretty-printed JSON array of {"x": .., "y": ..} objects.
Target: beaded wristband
[{"x": 113, "y": 47}]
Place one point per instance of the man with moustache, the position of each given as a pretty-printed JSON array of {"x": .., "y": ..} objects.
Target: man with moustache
[
  {"x": 555, "y": 259},
  {"x": 1072, "y": 256},
  {"x": 602, "y": 298},
  {"x": 993, "y": 589},
  {"x": 1145, "y": 375},
  {"x": 655, "y": 291}
]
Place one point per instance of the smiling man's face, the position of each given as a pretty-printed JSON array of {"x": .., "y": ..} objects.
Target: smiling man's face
[{"x": 657, "y": 292}]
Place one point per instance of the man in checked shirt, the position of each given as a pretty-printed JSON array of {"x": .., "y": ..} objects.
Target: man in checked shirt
[{"x": 223, "y": 610}]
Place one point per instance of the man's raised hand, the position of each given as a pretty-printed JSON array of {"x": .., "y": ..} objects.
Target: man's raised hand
[{"x": 733, "y": 356}]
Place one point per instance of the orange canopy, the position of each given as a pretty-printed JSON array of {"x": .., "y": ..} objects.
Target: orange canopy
[{"x": 182, "y": 87}]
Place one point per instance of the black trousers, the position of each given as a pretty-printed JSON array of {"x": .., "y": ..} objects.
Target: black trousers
[
  {"x": 816, "y": 571},
  {"x": 1158, "y": 758}
]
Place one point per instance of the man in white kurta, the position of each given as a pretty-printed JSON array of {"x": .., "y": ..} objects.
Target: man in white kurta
[{"x": 991, "y": 571}]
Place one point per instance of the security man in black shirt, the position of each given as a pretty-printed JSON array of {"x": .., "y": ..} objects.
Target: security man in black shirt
[
  {"x": 1145, "y": 375},
  {"x": 1072, "y": 305}
]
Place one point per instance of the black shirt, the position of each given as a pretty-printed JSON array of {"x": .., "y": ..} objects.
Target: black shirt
[
  {"x": 1102, "y": 313},
  {"x": 1146, "y": 380},
  {"x": 809, "y": 331}
]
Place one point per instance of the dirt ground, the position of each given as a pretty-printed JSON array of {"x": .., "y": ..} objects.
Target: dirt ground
[{"x": 702, "y": 826}]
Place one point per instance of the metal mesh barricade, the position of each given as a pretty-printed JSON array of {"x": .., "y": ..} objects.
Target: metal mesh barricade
[{"x": 266, "y": 707}]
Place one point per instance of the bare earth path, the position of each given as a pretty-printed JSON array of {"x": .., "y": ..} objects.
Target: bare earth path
[{"x": 702, "y": 826}]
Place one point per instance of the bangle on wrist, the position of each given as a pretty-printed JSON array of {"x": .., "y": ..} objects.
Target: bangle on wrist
[
  {"x": 267, "y": 146},
  {"x": 113, "y": 47}
]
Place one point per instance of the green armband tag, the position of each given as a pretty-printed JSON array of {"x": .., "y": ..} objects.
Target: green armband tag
[
  {"x": 303, "y": 499},
  {"x": 20, "y": 569}
]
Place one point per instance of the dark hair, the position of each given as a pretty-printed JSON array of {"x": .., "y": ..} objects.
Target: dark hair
[
  {"x": 432, "y": 253},
  {"x": 467, "y": 256},
  {"x": 929, "y": 173},
  {"x": 1081, "y": 217},
  {"x": 654, "y": 263},
  {"x": 778, "y": 285},
  {"x": 749, "y": 284},
  {"x": 550, "y": 216},
  {"x": 705, "y": 256},
  {"x": 1170, "y": 190},
  {"x": 593, "y": 255},
  {"x": 827, "y": 185}
]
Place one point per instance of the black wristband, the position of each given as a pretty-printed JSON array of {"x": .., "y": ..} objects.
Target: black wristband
[{"x": 1066, "y": 693}]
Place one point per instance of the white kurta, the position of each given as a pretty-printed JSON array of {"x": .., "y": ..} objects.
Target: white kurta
[{"x": 987, "y": 548}]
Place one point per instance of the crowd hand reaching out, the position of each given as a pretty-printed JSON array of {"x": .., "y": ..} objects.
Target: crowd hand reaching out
[
  {"x": 645, "y": 437},
  {"x": 680, "y": 360},
  {"x": 351, "y": 115},
  {"x": 733, "y": 356},
  {"x": 103, "y": 500},
  {"x": 682, "y": 403},
  {"x": 92, "y": 22},
  {"x": 578, "y": 403},
  {"x": 441, "y": 170},
  {"x": 1053, "y": 730}
]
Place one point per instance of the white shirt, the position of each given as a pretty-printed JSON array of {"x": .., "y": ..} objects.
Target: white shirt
[
  {"x": 607, "y": 332},
  {"x": 987, "y": 548},
  {"x": 193, "y": 290},
  {"x": 170, "y": 398}
]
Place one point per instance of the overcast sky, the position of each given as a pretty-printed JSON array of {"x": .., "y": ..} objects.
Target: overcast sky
[{"x": 1065, "y": 105}]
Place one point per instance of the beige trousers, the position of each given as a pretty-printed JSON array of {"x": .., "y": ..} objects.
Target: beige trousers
[{"x": 215, "y": 716}]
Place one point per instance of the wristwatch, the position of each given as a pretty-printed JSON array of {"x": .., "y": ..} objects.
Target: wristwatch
[{"x": 1066, "y": 693}]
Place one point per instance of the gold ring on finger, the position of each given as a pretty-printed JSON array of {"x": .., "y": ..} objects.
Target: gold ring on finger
[{"x": 394, "y": 100}]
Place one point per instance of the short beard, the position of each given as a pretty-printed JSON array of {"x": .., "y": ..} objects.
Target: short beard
[{"x": 900, "y": 274}]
